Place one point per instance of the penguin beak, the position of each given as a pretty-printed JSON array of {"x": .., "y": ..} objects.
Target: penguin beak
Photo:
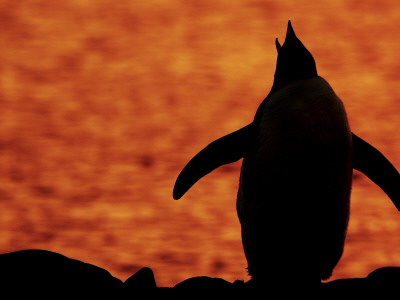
[
  {"x": 290, "y": 35},
  {"x": 278, "y": 45}
]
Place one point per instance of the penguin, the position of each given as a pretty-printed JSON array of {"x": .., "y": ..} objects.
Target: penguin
[{"x": 299, "y": 153}]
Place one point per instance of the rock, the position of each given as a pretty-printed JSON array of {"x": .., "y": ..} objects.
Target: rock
[
  {"x": 204, "y": 282},
  {"x": 142, "y": 279},
  {"x": 386, "y": 274},
  {"x": 345, "y": 285},
  {"x": 48, "y": 274},
  {"x": 385, "y": 279},
  {"x": 44, "y": 273}
]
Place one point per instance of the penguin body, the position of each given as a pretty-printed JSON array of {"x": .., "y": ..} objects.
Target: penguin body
[
  {"x": 295, "y": 181},
  {"x": 294, "y": 191}
]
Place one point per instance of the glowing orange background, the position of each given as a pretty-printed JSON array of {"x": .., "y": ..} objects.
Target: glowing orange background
[{"x": 103, "y": 102}]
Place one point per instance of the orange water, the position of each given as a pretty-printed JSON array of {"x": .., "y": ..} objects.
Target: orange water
[{"x": 103, "y": 102}]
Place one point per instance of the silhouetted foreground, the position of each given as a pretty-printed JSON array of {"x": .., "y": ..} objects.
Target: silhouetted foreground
[{"x": 44, "y": 273}]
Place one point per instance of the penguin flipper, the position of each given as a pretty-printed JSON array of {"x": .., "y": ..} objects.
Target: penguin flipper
[
  {"x": 372, "y": 163},
  {"x": 227, "y": 149}
]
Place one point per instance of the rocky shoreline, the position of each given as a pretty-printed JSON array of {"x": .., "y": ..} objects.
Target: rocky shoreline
[{"x": 42, "y": 272}]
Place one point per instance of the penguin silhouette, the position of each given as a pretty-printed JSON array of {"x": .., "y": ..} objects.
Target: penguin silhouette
[{"x": 295, "y": 182}]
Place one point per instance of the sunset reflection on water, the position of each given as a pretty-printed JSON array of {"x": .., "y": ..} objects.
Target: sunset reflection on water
[{"x": 104, "y": 102}]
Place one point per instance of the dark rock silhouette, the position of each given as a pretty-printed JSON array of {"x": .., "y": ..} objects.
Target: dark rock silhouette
[
  {"x": 345, "y": 285},
  {"x": 142, "y": 279},
  {"x": 386, "y": 278},
  {"x": 43, "y": 272},
  {"x": 48, "y": 274},
  {"x": 204, "y": 281}
]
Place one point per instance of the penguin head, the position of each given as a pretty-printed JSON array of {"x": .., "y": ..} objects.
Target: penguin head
[{"x": 294, "y": 61}]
